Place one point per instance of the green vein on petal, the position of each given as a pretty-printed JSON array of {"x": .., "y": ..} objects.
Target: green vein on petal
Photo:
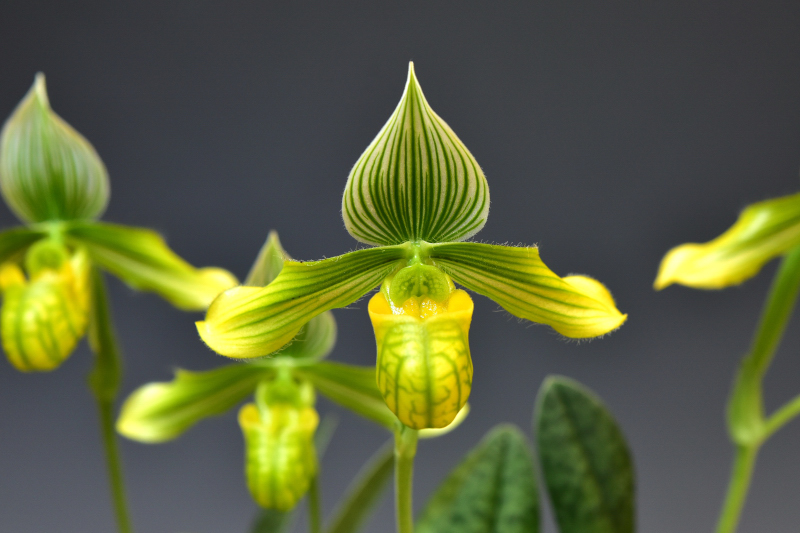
[{"x": 415, "y": 181}]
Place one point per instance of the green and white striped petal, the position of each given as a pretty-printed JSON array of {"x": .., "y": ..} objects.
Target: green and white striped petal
[
  {"x": 416, "y": 180},
  {"x": 517, "y": 279},
  {"x": 49, "y": 171},
  {"x": 246, "y": 322},
  {"x": 142, "y": 259}
]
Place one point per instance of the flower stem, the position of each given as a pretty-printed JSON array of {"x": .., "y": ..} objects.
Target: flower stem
[
  {"x": 743, "y": 464},
  {"x": 104, "y": 381},
  {"x": 314, "y": 507},
  {"x": 746, "y": 421},
  {"x": 405, "y": 448}
]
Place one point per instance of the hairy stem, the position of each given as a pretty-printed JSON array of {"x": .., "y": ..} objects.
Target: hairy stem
[
  {"x": 405, "y": 448},
  {"x": 104, "y": 381}
]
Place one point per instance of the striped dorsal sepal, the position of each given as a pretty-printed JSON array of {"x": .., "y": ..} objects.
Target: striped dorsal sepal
[{"x": 416, "y": 181}]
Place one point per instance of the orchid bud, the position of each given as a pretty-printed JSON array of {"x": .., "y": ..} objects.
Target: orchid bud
[
  {"x": 280, "y": 458},
  {"x": 43, "y": 319},
  {"x": 424, "y": 369}
]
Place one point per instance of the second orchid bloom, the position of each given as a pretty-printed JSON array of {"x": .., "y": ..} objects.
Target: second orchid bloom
[{"x": 414, "y": 195}]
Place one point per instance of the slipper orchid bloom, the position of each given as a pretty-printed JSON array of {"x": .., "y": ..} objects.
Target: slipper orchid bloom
[{"x": 414, "y": 196}]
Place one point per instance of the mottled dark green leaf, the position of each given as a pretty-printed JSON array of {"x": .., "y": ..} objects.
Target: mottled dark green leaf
[
  {"x": 585, "y": 460},
  {"x": 493, "y": 490}
]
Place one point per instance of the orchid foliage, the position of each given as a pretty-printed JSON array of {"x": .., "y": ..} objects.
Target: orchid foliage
[{"x": 415, "y": 195}]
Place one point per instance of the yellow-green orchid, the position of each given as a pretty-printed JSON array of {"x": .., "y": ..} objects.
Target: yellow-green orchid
[
  {"x": 53, "y": 180},
  {"x": 413, "y": 195},
  {"x": 280, "y": 458},
  {"x": 764, "y": 231}
]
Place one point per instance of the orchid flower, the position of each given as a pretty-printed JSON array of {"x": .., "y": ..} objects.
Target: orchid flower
[{"x": 414, "y": 196}]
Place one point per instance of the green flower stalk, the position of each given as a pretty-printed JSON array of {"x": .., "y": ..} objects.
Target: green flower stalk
[
  {"x": 55, "y": 182},
  {"x": 414, "y": 195},
  {"x": 764, "y": 231}
]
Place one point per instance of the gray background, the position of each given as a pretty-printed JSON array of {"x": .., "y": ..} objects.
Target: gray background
[{"x": 609, "y": 132}]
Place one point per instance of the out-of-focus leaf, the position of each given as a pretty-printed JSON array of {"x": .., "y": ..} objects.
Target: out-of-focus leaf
[
  {"x": 157, "y": 412},
  {"x": 142, "y": 259},
  {"x": 365, "y": 492},
  {"x": 585, "y": 460},
  {"x": 493, "y": 490}
]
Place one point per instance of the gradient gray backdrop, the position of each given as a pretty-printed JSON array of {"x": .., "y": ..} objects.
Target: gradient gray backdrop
[{"x": 609, "y": 132}]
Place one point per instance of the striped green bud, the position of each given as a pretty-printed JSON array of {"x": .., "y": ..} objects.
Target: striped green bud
[
  {"x": 280, "y": 458},
  {"x": 49, "y": 171},
  {"x": 43, "y": 319},
  {"x": 424, "y": 369}
]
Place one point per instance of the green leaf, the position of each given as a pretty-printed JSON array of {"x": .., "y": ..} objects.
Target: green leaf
[
  {"x": 493, "y": 490},
  {"x": 763, "y": 231},
  {"x": 352, "y": 387},
  {"x": 49, "y": 171},
  {"x": 14, "y": 242},
  {"x": 585, "y": 460},
  {"x": 365, "y": 492},
  {"x": 415, "y": 181},
  {"x": 517, "y": 279},
  {"x": 317, "y": 338},
  {"x": 268, "y": 263},
  {"x": 142, "y": 259},
  {"x": 158, "y": 412},
  {"x": 247, "y": 322}
]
